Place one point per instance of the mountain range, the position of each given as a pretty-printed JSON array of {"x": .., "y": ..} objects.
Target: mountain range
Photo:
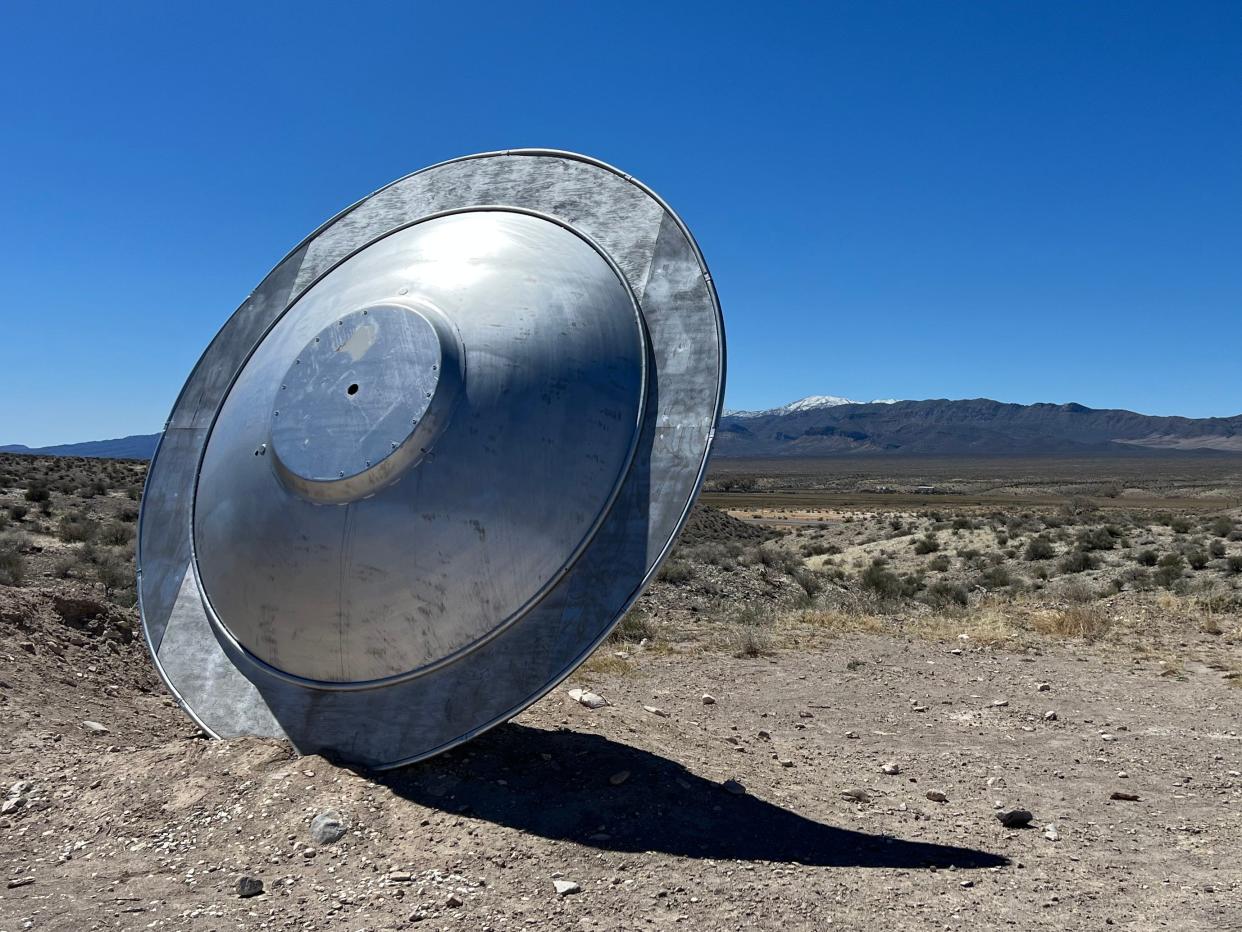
[{"x": 829, "y": 425}]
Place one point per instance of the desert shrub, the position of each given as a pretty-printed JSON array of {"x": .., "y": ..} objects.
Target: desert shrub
[
  {"x": 115, "y": 575},
  {"x": 676, "y": 572},
  {"x": 926, "y": 544},
  {"x": 1179, "y": 525},
  {"x": 74, "y": 529},
  {"x": 819, "y": 548},
  {"x": 38, "y": 492},
  {"x": 128, "y": 514},
  {"x": 1002, "y": 540},
  {"x": 967, "y": 553},
  {"x": 939, "y": 563},
  {"x": 1234, "y": 565},
  {"x": 1221, "y": 527},
  {"x": 64, "y": 566},
  {"x": 12, "y": 560},
  {"x": 1040, "y": 548},
  {"x": 997, "y": 577},
  {"x": 1197, "y": 559},
  {"x": 633, "y": 628},
  {"x": 963, "y": 524},
  {"x": 942, "y": 593},
  {"x": 881, "y": 581},
  {"x": 116, "y": 534},
  {"x": 1217, "y": 548},
  {"x": 1077, "y": 561},
  {"x": 749, "y": 640},
  {"x": 1146, "y": 558},
  {"x": 18, "y": 512},
  {"x": 1169, "y": 571},
  {"x": 1096, "y": 538},
  {"x": 1078, "y": 590},
  {"x": 810, "y": 581}
]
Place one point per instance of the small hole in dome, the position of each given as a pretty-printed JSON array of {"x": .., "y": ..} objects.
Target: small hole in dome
[{"x": 352, "y": 390}]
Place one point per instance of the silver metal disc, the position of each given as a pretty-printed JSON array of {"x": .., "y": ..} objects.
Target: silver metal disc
[{"x": 431, "y": 461}]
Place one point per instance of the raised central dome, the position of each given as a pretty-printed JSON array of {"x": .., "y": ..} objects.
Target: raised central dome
[{"x": 420, "y": 447}]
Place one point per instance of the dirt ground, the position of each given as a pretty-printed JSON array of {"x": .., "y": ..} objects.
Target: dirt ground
[{"x": 847, "y": 772}]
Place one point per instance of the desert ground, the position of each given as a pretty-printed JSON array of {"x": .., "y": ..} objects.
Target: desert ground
[{"x": 897, "y": 694}]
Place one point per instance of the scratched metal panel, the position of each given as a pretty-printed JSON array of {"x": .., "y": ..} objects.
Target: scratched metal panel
[{"x": 417, "y": 717}]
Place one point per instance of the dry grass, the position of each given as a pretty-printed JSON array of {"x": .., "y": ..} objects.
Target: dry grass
[
  {"x": 1083, "y": 622},
  {"x": 987, "y": 624},
  {"x": 605, "y": 662}
]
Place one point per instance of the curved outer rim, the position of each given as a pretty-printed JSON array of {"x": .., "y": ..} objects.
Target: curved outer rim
[
  {"x": 721, "y": 374},
  {"x": 531, "y": 603}
]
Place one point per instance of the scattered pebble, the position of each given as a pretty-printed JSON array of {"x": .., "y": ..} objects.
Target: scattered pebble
[
  {"x": 249, "y": 886},
  {"x": 1050, "y": 716},
  {"x": 999, "y": 703},
  {"x": 709, "y": 699},
  {"x": 937, "y": 797},
  {"x": 655, "y": 710},
  {"x": 587, "y": 698},
  {"x": 96, "y": 728},
  {"x": 20, "y": 882},
  {"x": 1125, "y": 797},
  {"x": 1043, "y": 687},
  {"x": 857, "y": 795},
  {"x": 1015, "y": 818},
  {"x": 1051, "y": 833},
  {"x": 784, "y": 762},
  {"x": 566, "y": 887},
  {"x": 327, "y": 827},
  {"x": 891, "y": 769},
  {"x": 454, "y": 901}
]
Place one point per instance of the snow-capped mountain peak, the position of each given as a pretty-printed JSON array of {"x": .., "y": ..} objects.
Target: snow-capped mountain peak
[{"x": 809, "y": 403}]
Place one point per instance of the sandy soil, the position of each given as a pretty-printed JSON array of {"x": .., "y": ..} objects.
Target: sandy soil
[{"x": 150, "y": 826}]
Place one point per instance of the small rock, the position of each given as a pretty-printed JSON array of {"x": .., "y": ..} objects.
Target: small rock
[
  {"x": 454, "y": 901},
  {"x": 1125, "y": 797},
  {"x": 937, "y": 797},
  {"x": 20, "y": 882},
  {"x": 765, "y": 735},
  {"x": 1000, "y": 703},
  {"x": 851, "y": 735},
  {"x": 249, "y": 886},
  {"x": 400, "y": 877},
  {"x": 784, "y": 762},
  {"x": 805, "y": 714},
  {"x": 655, "y": 711},
  {"x": 891, "y": 769},
  {"x": 734, "y": 787},
  {"x": 1122, "y": 775},
  {"x": 566, "y": 887},
  {"x": 20, "y": 787},
  {"x": 1105, "y": 736},
  {"x": 1015, "y": 818},
  {"x": 967, "y": 883},
  {"x": 1051, "y": 833},
  {"x": 1043, "y": 687},
  {"x": 327, "y": 827},
  {"x": 1050, "y": 716},
  {"x": 12, "y": 804},
  {"x": 619, "y": 777},
  {"x": 709, "y": 699},
  {"x": 96, "y": 728},
  {"x": 856, "y": 795},
  {"x": 587, "y": 698}
]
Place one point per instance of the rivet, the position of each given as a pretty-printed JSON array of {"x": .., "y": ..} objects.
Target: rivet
[
  {"x": 341, "y": 474},
  {"x": 394, "y": 444},
  {"x": 277, "y": 414}
]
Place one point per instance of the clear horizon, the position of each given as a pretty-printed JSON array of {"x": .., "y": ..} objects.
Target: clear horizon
[{"x": 896, "y": 199}]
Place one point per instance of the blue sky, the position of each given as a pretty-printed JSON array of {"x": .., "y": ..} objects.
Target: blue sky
[{"x": 1024, "y": 201}]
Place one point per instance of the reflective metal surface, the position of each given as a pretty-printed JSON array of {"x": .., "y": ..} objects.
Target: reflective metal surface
[{"x": 431, "y": 461}]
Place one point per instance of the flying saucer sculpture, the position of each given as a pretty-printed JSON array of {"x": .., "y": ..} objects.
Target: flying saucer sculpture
[{"x": 434, "y": 457}]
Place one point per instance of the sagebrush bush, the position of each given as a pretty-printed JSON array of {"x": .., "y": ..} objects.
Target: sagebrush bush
[
  {"x": 1146, "y": 558},
  {"x": 926, "y": 544},
  {"x": 74, "y": 529},
  {"x": 1077, "y": 561},
  {"x": 1040, "y": 548},
  {"x": 676, "y": 572},
  {"x": 116, "y": 534}
]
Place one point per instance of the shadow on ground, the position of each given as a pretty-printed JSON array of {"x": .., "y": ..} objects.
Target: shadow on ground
[{"x": 556, "y": 784}]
